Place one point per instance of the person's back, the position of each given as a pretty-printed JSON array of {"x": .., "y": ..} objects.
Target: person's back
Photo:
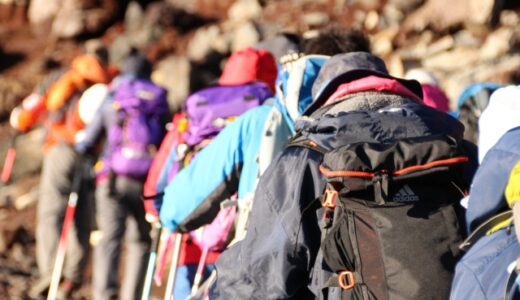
[
  {"x": 133, "y": 119},
  {"x": 279, "y": 256},
  {"x": 492, "y": 248}
]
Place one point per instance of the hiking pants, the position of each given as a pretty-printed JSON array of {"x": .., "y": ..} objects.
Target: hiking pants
[
  {"x": 59, "y": 166},
  {"x": 120, "y": 210}
]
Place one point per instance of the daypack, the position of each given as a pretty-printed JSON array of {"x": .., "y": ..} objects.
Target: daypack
[
  {"x": 391, "y": 225},
  {"x": 206, "y": 113},
  {"x": 133, "y": 141}
]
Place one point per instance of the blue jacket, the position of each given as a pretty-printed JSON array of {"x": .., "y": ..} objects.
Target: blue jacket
[
  {"x": 279, "y": 257},
  {"x": 482, "y": 272},
  {"x": 229, "y": 164}
]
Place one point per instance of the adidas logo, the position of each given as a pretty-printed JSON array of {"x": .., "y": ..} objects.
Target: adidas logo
[{"x": 405, "y": 194}]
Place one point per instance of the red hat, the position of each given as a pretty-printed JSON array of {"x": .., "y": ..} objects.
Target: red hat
[{"x": 249, "y": 65}]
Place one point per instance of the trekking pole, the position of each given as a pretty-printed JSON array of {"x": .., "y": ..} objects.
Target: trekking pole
[
  {"x": 168, "y": 295},
  {"x": 200, "y": 271},
  {"x": 9, "y": 160},
  {"x": 67, "y": 223},
  {"x": 148, "y": 281},
  {"x": 162, "y": 260},
  {"x": 203, "y": 291}
]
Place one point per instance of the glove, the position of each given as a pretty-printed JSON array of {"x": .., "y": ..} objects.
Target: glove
[
  {"x": 151, "y": 215},
  {"x": 513, "y": 186}
]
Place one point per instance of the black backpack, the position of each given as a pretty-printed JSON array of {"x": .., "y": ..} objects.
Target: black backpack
[{"x": 392, "y": 220}]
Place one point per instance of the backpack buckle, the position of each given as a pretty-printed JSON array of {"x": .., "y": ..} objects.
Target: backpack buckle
[
  {"x": 329, "y": 200},
  {"x": 346, "y": 280}
]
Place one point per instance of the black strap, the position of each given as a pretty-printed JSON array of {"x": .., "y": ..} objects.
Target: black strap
[
  {"x": 483, "y": 229},
  {"x": 143, "y": 197}
]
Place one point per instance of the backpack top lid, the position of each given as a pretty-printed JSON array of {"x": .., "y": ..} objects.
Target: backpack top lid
[
  {"x": 209, "y": 110},
  {"x": 249, "y": 65},
  {"x": 142, "y": 95},
  {"x": 346, "y": 67}
]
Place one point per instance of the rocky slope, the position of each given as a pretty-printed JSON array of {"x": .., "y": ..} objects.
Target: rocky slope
[{"x": 478, "y": 40}]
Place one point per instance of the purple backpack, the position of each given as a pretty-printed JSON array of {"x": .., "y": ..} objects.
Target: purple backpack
[
  {"x": 209, "y": 110},
  {"x": 142, "y": 109}
]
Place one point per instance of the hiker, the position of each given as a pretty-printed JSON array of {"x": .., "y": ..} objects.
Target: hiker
[
  {"x": 246, "y": 82},
  {"x": 498, "y": 117},
  {"x": 254, "y": 139},
  {"x": 58, "y": 107},
  {"x": 472, "y": 101},
  {"x": 356, "y": 104},
  {"x": 133, "y": 118},
  {"x": 433, "y": 95},
  {"x": 492, "y": 250}
]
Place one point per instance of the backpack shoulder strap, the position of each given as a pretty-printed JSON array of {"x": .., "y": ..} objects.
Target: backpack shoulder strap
[{"x": 498, "y": 221}]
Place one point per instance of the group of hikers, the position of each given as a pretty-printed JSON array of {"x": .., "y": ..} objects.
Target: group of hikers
[{"x": 306, "y": 172}]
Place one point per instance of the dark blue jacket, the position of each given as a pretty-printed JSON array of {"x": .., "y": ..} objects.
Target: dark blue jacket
[
  {"x": 482, "y": 272},
  {"x": 279, "y": 257}
]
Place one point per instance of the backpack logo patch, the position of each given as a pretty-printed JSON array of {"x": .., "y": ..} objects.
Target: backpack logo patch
[{"x": 405, "y": 194}]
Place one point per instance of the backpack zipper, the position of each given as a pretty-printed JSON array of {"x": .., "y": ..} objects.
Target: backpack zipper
[{"x": 362, "y": 174}]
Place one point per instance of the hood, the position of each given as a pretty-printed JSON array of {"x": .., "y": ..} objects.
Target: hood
[
  {"x": 294, "y": 86},
  {"x": 248, "y": 65},
  {"x": 346, "y": 67},
  {"x": 501, "y": 114},
  {"x": 486, "y": 197},
  {"x": 435, "y": 97},
  {"x": 474, "y": 89},
  {"x": 384, "y": 125}
]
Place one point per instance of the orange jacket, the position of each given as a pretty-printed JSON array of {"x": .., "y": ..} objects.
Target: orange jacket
[{"x": 85, "y": 71}]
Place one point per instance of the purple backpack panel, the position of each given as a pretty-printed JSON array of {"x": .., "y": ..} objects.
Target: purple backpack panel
[
  {"x": 208, "y": 109},
  {"x": 134, "y": 139}
]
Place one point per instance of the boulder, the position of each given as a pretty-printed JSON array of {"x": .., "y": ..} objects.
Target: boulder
[
  {"x": 173, "y": 73},
  {"x": 433, "y": 14}
]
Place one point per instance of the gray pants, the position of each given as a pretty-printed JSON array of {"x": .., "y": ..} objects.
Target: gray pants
[
  {"x": 55, "y": 187},
  {"x": 113, "y": 206}
]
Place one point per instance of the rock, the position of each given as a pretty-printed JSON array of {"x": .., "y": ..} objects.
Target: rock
[
  {"x": 173, "y": 73},
  {"x": 444, "y": 44},
  {"x": 392, "y": 16},
  {"x": 382, "y": 41},
  {"x": 134, "y": 17},
  {"x": 433, "y": 13},
  {"x": 69, "y": 20},
  {"x": 246, "y": 35},
  {"x": 509, "y": 18},
  {"x": 315, "y": 19},
  {"x": 202, "y": 42},
  {"x": 12, "y": 92},
  {"x": 405, "y": 5},
  {"x": 244, "y": 10},
  {"x": 41, "y": 11},
  {"x": 500, "y": 71},
  {"x": 454, "y": 60},
  {"x": 497, "y": 43},
  {"x": 369, "y": 4},
  {"x": 371, "y": 20},
  {"x": 465, "y": 38}
]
